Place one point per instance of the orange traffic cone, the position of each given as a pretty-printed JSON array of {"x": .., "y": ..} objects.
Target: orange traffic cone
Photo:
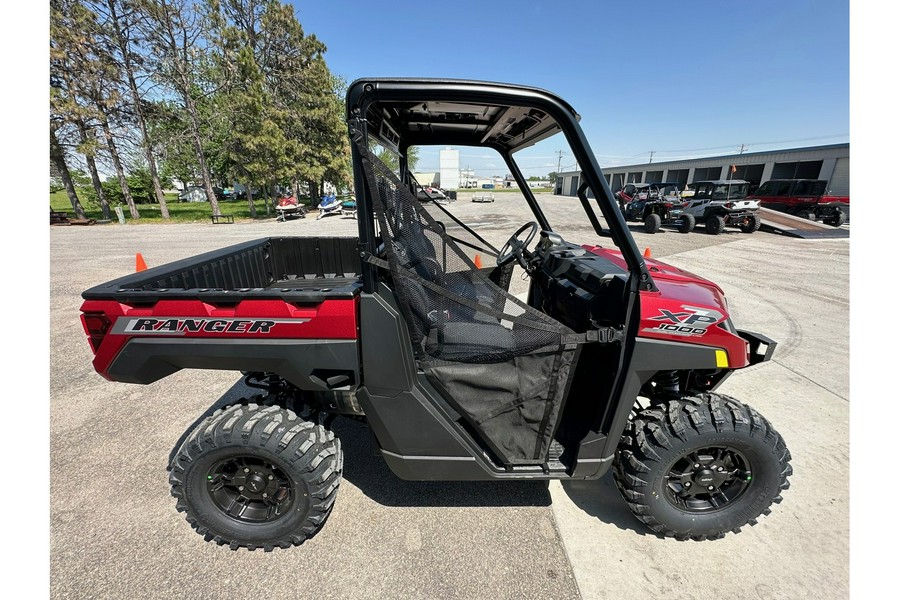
[
  {"x": 477, "y": 261},
  {"x": 139, "y": 264},
  {"x": 647, "y": 253}
]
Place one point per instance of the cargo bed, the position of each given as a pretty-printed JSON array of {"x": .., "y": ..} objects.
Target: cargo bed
[{"x": 294, "y": 269}]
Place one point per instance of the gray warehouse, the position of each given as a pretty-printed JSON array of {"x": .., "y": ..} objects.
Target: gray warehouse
[{"x": 831, "y": 163}]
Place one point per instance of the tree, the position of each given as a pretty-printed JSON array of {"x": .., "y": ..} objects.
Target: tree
[
  {"x": 121, "y": 21},
  {"x": 256, "y": 145},
  {"x": 167, "y": 124},
  {"x": 173, "y": 32},
  {"x": 307, "y": 99},
  {"x": 89, "y": 148},
  {"x": 84, "y": 80},
  {"x": 58, "y": 161}
]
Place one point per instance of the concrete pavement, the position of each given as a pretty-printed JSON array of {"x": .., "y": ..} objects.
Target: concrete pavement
[
  {"x": 797, "y": 293},
  {"x": 115, "y": 532}
]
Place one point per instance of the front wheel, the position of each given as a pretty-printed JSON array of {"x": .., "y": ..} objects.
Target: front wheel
[
  {"x": 838, "y": 219},
  {"x": 688, "y": 222},
  {"x": 699, "y": 467},
  {"x": 652, "y": 223},
  {"x": 253, "y": 476}
]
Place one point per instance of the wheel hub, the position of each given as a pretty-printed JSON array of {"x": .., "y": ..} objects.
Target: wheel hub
[
  {"x": 249, "y": 489},
  {"x": 707, "y": 479}
]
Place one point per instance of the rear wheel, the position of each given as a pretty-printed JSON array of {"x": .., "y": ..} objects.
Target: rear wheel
[
  {"x": 688, "y": 222},
  {"x": 652, "y": 223},
  {"x": 253, "y": 476},
  {"x": 700, "y": 467},
  {"x": 715, "y": 225},
  {"x": 752, "y": 224}
]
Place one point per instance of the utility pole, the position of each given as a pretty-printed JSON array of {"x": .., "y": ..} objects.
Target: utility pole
[
  {"x": 651, "y": 157},
  {"x": 742, "y": 148},
  {"x": 559, "y": 154}
]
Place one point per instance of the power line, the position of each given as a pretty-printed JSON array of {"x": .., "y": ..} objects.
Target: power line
[{"x": 808, "y": 139}]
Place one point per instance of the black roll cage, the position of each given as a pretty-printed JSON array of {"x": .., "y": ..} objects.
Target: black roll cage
[{"x": 364, "y": 94}]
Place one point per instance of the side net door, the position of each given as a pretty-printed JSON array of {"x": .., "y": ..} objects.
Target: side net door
[{"x": 502, "y": 364}]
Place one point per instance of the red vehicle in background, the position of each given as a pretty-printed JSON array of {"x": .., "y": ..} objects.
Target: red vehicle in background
[{"x": 805, "y": 198}]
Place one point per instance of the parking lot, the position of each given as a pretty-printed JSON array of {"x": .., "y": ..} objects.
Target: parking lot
[{"x": 115, "y": 532}]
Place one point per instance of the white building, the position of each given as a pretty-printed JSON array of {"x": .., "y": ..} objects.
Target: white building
[{"x": 449, "y": 176}]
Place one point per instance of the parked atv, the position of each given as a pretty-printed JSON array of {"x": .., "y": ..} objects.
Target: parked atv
[
  {"x": 612, "y": 363},
  {"x": 723, "y": 203},
  {"x": 655, "y": 204}
]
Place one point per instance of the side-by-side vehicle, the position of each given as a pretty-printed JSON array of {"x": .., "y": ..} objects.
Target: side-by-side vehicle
[{"x": 611, "y": 363}]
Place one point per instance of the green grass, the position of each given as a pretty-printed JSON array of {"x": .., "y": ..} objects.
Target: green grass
[{"x": 179, "y": 212}]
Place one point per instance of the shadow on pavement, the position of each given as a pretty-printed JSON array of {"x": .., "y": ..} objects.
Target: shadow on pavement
[
  {"x": 601, "y": 499},
  {"x": 364, "y": 468}
]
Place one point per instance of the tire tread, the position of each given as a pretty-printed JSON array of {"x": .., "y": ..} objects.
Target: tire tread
[
  {"x": 648, "y": 436},
  {"x": 313, "y": 451}
]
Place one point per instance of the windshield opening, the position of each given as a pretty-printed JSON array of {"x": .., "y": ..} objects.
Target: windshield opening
[
  {"x": 566, "y": 212},
  {"x": 729, "y": 191}
]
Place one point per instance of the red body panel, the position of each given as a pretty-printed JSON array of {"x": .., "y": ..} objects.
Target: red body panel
[
  {"x": 794, "y": 202},
  {"x": 249, "y": 319},
  {"x": 686, "y": 309}
]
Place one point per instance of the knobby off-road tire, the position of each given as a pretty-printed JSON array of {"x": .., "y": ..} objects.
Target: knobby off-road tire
[
  {"x": 670, "y": 455},
  {"x": 753, "y": 224},
  {"x": 652, "y": 223},
  {"x": 688, "y": 222},
  {"x": 253, "y": 476},
  {"x": 837, "y": 220},
  {"x": 715, "y": 225},
  {"x": 805, "y": 213}
]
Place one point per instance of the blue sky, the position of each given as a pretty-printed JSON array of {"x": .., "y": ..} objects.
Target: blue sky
[{"x": 679, "y": 78}]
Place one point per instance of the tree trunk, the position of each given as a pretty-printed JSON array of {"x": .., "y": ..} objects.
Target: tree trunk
[
  {"x": 92, "y": 167},
  {"x": 250, "y": 200},
  {"x": 59, "y": 161},
  {"x": 295, "y": 185},
  {"x": 313, "y": 192},
  {"x": 274, "y": 197},
  {"x": 120, "y": 172},
  {"x": 138, "y": 113},
  {"x": 198, "y": 149}
]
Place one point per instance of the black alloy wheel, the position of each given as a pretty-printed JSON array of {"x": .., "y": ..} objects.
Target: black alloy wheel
[
  {"x": 255, "y": 476},
  {"x": 700, "y": 466},
  {"x": 250, "y": 490},
  {"x": 708, "y": 479}
]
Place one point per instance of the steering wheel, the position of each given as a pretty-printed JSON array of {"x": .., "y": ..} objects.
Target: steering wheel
[{"x": 516, "y": 249}]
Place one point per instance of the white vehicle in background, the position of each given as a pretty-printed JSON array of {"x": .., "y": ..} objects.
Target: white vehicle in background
[{"x": 723, "y": 203}]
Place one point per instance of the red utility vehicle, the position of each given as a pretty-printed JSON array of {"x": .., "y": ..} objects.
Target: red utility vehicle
[
  {"x": 612, "y": 361},
  {"x": 806, "y": 198}
]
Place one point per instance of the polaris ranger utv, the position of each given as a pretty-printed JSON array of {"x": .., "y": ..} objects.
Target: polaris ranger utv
[{"x": 613, "y": 360}]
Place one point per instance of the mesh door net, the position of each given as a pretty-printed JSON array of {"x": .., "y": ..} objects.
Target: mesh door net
[{"x": 502, "y": 364}]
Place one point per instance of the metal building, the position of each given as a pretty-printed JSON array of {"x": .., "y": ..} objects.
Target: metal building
[{"x": 831, "y": 163}]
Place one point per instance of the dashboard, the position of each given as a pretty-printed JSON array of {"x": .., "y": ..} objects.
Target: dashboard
[{"x": 578, "y": 288}]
